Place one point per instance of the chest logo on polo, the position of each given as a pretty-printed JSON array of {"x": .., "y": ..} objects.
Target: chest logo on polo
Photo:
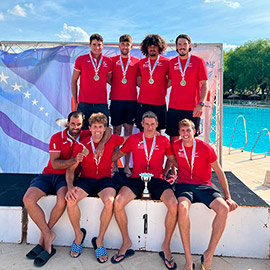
[
  {"x": 140, "y": 145},
  {"x": 176, "y": 66}
]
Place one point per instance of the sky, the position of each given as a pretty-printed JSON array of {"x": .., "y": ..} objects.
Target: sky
[{"x": 231, "y": 22}]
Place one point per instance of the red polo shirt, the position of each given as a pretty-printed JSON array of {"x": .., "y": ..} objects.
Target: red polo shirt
[
  {"x": 155, "y": 93},
  {"x": 202, "y": 171},
  {"x": 186, "y": 97},
  {"x": 61, "y": 143},
  {"x": 92, "y": 91},
  {"x": 89, "y": 166},
  {"x": 120, "y": 91},
  {"x": 135, "y": 145}
]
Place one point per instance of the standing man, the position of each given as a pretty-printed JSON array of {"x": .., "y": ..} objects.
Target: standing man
[
  {"x": 95, "y": 179},
  {"x": 153, "y": 80},
  {"x": 53, "y": 180},
  {"x": 123, "y": 92},
  {"x": 188, "y": 78},
  {"x": 195, "y": 160},
  {"x": 92, "y": 69},
  {"x": 148, "y": 152}
]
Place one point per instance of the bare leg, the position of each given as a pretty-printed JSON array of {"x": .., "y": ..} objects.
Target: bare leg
[
  {"x": 117, "y": 131},
  {"x": 107, "y": 196},
  {"x": 222, "y": 209},
  {"x": 127, "y": 132},
  {"x": 170, "y": 201},
  {"x": 30, "y": 199},
  {"x": 57, "y": 211},
  {"x": 74, "y": 214},
  {"x": 168, "y": 164},
  {"x": 59, "y": 207},
  {"x": 124, "y": 196},
  {"x": 184, "y": 227}
]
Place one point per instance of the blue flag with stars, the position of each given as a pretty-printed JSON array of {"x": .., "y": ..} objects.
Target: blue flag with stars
[{"x": 35, "y": 90}]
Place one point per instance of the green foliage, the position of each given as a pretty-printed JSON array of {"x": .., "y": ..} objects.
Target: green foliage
[{"x": 247, "y": 68}]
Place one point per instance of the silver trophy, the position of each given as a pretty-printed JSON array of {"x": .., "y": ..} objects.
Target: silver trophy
[{"x": 146, "y": 177}]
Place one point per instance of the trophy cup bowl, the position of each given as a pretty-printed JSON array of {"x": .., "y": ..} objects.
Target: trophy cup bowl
[{"x": 146, "y": 177}]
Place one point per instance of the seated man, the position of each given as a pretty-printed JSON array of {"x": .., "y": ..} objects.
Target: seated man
[
  {"x": 148, "y": 151},
  {"x": 95, "y": 178},
  {"x": 53, "y": 180},
  {"x": 195, "y": 159}
]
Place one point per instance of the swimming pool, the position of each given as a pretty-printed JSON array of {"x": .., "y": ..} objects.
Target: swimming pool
[{"x": 256, "y": 120}]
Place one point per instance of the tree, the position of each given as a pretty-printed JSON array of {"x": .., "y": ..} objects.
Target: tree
[{"x": 248, "y": 67}]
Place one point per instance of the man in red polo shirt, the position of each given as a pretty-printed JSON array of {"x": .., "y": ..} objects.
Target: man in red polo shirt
[
  {"x": 123, "y": 92},
  {"x": 153, "y": 80},
  {"x": 95, "y": 179},
  {"x": 196, "y": 159},
  {"x": 92, "y": 69},
  {"x": 148, "y": 151},
  {"x": 188, "y": 78},
  {"x": 52, "y": 180}
]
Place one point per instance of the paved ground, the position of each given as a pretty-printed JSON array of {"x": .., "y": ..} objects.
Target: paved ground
[
  {"x": 251, "y": 172},
  {"x": 12, "y": 257}
]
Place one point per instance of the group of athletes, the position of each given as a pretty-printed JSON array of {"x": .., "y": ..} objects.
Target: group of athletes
[{"x": 82, "y": 154}]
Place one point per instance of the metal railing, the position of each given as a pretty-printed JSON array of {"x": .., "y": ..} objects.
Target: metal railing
[
  {"x": 267, "y": 133},
  {"x": 245, "y": 127}
]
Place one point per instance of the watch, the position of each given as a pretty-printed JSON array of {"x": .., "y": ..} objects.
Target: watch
[{"x": 202, "y": 104}]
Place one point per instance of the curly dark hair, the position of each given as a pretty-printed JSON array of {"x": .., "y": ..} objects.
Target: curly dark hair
[{"x": 153, "y": 39}]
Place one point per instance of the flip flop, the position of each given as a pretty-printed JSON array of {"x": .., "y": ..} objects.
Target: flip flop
[
  {"x": 114, "y": 173},
  {"x": 162, "y": 255},
  {"x": 34, "y": 252},
  {"x": 43, "y": 257},
  {"x": 101, "y": 251},
  {"x": 202, "y": 264},
  {"x": 129, "y": 253},
  {"x": 77, "y": 248},
  {"x": 127, "y": 174}
]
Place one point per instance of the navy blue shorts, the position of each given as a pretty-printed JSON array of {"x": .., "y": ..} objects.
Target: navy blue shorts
[
  {"x": 156, "y": 187},
  {"x": 89, "y": 108},
  {"x": 174, "y": 116},
  {"x": 123, "y": 112},
  {"x": 93, "y": 186},
  {"x": 197, "y": 193},
  {"x": 49, "y": 183},
  {"x": 159, "y": 110}
]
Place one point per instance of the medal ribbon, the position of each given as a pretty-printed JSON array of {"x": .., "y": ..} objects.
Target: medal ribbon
[
  {"x": 148, "y": 158},
  {"x": 151, "y": 71},
  {"x": 96, "y": 67},
  {"x": 73, "y": 137},
  {"x": 97, "y": 160},
  {"x": 191, "y": 165},
  {"x": 180, "y": 67},
  {"x": 122, "y": 66}
]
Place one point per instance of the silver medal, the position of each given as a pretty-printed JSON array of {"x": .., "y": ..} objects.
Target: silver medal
[
  {"x": 151, "y": 81},
  {"x": 124, "y": 80},
  {"x": 183, "y": 82},
  {"x": 85, "y": 151},
  {"x": 96, "y": 77}
]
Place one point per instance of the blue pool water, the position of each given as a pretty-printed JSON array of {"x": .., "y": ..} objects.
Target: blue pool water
[{"x": 256, "y": 120}]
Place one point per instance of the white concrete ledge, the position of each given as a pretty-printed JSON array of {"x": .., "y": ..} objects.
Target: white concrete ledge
[
  {"x": 247, "y": 233},
  {"x": 11, "y": 225}
]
